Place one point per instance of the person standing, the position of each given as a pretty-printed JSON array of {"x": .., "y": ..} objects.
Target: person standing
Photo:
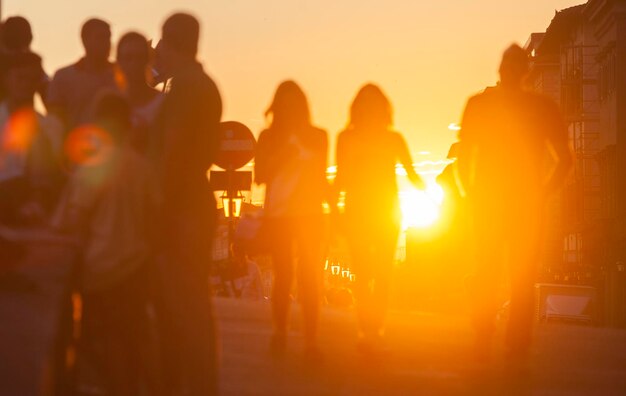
[
  {"x": 133, "y": 60},
  {"x": 73, "y": 88},
  {"x": 506, "y": 135},
  {"x": 30, "y": 174},
  {"x": 187, "y": 143},
  {"x": 290, "y": 160},
  {"x": 110, "y": 203},
  {"x": 368, "y": 151}
]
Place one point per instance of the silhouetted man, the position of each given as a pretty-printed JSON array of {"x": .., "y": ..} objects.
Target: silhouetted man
[
  {"x": 15, "y": 38},
  {"x": 73, "y": 88},
  {"x": 188, "y": 136},
  {"x": 506, "y": 136}
]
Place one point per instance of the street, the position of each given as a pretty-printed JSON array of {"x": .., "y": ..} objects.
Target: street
[{"x": 428, "y": 353}]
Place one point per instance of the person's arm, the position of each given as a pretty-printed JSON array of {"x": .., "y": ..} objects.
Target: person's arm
[
  {"x": 338, "y": 184},
  {"x": 467, "y": 148},
  {"x": 404, "y": 157},
  {"x": 558, "y": 145},
  {"x": 55, "y": 99}
]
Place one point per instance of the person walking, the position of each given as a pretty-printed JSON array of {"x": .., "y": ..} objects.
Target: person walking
[
  {"x": 291, "y": 157},
  {"x": 368, "y": 151},
  {"x": 506, "y": 135}
]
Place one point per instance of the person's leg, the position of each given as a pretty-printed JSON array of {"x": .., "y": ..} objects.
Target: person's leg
[
  {"x": 282, "y": 260},
  {"x": 309, "y": 253},
  {"x": 523, "y": 262},
  {"x": 385, "y": 254},
  {"x": 189, "y": 309},
  {"x": 484, "y": 283},
  {"x": 363, "y": 264}
]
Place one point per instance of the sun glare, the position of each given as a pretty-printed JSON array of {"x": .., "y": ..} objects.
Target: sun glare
[{"x": 421, "y": 208}]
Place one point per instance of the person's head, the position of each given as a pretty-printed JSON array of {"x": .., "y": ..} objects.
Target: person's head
[
  {"x": 514, "y": 66},
  {"x": 133, "y": 56},
  {"x": 16, "y": 34},
  {"x": 371, "y": 110},
  {"x": 112, "y": 113},
  {"x": 179, "y": 42},
  {"x": 21, "y": 76},
  {"x": 289, "y": 108},
  {"x": 96, "y": 37}
]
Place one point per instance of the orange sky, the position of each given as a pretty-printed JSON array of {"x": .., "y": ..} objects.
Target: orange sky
[{"x": 428, "y": 56}]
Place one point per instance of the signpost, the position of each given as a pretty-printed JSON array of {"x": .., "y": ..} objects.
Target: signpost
[{"x": 236, "y": 149}]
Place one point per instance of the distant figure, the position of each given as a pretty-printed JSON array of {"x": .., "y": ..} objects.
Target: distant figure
[
  {"x": 133, "y": 59},
  {"x": 111, "y": 205},
  {"x": 367, "y": 153},
  {"x": 291, "y": 161},
  {"x": 73, "y": 88},
  {"x": 16, "y": 37},
  {"x": 507, "y": 134},
  {"x": 187, "y": 143},
  {"x": 30, "y": 175}
]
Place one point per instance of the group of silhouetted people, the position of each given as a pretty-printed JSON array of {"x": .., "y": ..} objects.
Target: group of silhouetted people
[{"x": 122, "y": 168}]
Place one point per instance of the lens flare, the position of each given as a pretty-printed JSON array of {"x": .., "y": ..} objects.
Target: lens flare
[
  {"x": 19, "y": 131},
  {"x": 88, "y": 145}
]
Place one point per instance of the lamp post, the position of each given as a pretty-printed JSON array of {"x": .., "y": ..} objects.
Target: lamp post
[{"x": 232, "y": 204}]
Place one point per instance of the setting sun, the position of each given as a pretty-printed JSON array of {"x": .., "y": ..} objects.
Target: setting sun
[{"x": 421, "y": 208}]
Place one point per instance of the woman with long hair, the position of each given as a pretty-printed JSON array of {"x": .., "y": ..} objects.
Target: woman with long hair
[
  {"x": 291, "y": 161},
  {"x": 368, "y": 151}
]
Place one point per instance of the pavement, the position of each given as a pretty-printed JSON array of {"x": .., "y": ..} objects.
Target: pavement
[{"x": 427, "y": 353}]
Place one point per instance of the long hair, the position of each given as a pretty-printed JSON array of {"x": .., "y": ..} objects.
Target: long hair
[
  {"x": 370, "y": 110},
  {"x": 289, "y": 109}
]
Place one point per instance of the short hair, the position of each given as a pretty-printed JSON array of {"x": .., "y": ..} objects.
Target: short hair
[
  {"x": 515, "y": 60},
  {"x": 182, "y": 31},
  {"x": 16, "y": 33},
  {"x": 91, "y": 25},
  {"x": 131, "y": 37}
]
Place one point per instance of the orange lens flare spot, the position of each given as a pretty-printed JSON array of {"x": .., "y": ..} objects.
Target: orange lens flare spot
[
  {"x": 88, "y": 145},
  {"x": 19, "y": 131}
]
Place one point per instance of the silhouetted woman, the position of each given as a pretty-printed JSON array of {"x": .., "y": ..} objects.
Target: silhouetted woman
[
  {"x": 133, "y": 60},
  {"x": 367, "y": 154},
  {"x": 291, "y": 160}
]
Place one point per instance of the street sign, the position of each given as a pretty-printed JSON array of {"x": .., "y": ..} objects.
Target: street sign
[
  {"x": 236, "y": 146},
  {"x": 224, "y": 180}
]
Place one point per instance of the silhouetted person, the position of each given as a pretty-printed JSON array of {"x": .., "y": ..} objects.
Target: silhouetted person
[
  {"x": 133, "y": 58},
  {"x": 506, "y": 136},
  {"x": 111, "y": 203},
  {"x": 16, "y": 37},
  {"x": 30, "y": 177},
  {"x": 188, "y": 132},
  {"x": 73, "y": 88},
  {"x": 367, "y": 153},
  {"x": 454, "y": 240},
  {"x": 16, "y": 34},
  {"x": 291, "y": 161}
]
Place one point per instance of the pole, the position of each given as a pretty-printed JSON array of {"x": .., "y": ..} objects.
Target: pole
[{"x": 230, "y": 174}]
